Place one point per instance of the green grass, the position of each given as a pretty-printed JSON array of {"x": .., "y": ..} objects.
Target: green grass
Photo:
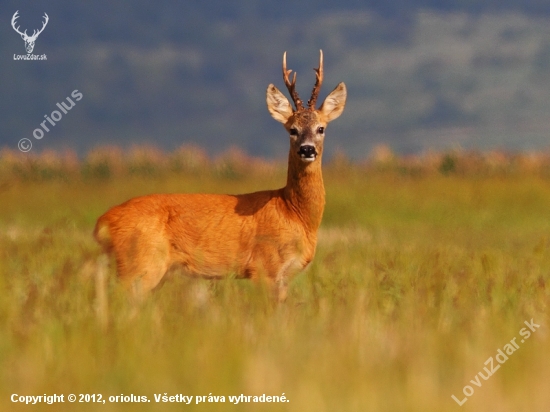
[{"x": 418, "y": 279}]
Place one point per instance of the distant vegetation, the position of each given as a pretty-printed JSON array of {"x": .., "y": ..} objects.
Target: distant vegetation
[
  {"x": 420, "y": 75},
  {"x": 110, "y": 162}
]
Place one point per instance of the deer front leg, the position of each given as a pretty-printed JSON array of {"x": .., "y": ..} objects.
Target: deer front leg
[{"x": 282, "y": 278}]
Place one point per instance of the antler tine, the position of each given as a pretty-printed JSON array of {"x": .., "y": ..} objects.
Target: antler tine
[
  {"x": 13, "y": 23},
  {"x": 44, "y": 24},
  {"x": 291, "y": 86},
  {"x": 46, "y": 20},
  {"x": 318, "y": 82}
]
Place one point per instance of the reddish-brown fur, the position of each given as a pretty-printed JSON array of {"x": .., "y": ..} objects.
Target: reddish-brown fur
[{"x": 268, "y": 235}]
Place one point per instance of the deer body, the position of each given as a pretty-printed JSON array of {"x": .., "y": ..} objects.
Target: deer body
[{"x": 268, "y": 235}]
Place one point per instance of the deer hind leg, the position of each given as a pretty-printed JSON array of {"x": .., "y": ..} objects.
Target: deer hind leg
[{"x": 141, "y": 272}]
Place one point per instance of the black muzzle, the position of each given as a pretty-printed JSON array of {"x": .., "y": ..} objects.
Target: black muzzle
[{"x": 307, "y": 152}]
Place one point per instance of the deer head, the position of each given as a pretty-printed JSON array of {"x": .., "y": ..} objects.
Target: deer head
[
  {"x": 29, "y": 40},
  {"x": 306, "y": 126}
]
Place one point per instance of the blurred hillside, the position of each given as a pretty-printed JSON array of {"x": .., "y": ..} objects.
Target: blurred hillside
[{"x": 420, "y": 74}]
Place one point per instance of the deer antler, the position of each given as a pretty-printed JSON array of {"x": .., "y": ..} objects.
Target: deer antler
[
  {"x": 319, "y": 74},
  {"x": 291, "y": 86},
  {"x": 35, "y": 32},
  {"x": 46, "y": 19},
  {"x": 13, "y": 19}
]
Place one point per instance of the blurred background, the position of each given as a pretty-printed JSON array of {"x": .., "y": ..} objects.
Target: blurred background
[{"x": 421, "y": 75}]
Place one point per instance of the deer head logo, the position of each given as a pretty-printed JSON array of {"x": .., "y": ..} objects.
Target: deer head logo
[{"x": 29, "y": 40}]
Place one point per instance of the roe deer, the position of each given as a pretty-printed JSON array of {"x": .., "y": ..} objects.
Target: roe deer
[{"x": 267, "y": 235}]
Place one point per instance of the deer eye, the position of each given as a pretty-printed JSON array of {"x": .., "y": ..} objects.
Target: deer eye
[
  {"x": 294, "y": 132},
  {"x": 321, "y": 130}
]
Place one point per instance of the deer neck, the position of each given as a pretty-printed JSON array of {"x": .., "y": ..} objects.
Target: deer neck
[{"x": 305, "y": 192}]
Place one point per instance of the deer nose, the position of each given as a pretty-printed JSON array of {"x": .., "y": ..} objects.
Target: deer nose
[{"x": 307, "y": 152}]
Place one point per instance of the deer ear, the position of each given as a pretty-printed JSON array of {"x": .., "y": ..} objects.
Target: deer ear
[
  {"x": 278, "y": 105},
  {"x": 333, "y": 106}
]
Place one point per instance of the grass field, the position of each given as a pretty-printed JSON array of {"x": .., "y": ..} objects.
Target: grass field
[{"x": 425, "y": 269}]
